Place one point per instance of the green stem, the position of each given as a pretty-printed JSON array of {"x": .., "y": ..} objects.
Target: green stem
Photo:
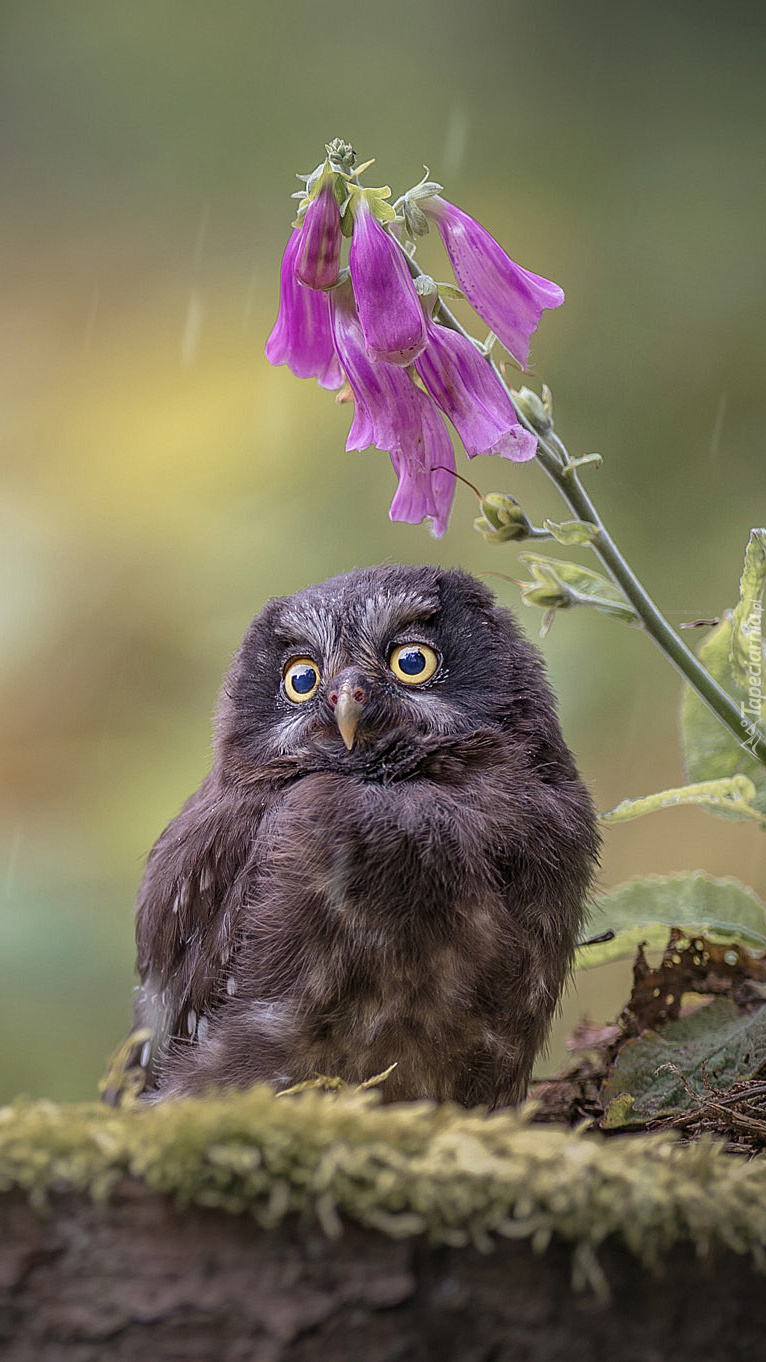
[
  {"x": 549, "y": 450},
  {"x": 553, "y": 457}
]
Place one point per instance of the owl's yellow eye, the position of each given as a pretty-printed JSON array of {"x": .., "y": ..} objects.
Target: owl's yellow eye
[
  {"x": 413, "y": 663},
  {"x": 301, "y": 678}
]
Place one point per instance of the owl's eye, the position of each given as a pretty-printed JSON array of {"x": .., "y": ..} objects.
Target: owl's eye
[
  {"x": 413, "y": 663},
  {"x": 301, "y": 679}
]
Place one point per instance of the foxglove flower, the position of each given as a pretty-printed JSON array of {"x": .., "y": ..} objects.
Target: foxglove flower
[
  {"x": 461, "y": 382},
  {"x": 389, "y": 308},
  {"x": 508, "y": 298},
  {"x": 393, "y": 414},
  {"x": 318, "y": 259},
  {"x": 302, "y": 335},
  {"x": 373, "y": 327},
  {"x": 386, "y": 408},
  {"x": 426, "y": 472}
]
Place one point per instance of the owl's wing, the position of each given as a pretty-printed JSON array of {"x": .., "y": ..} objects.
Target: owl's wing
[{"x": 186, "y": 926}]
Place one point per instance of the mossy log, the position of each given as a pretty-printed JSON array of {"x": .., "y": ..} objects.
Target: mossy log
[{"x": 338, "y": 1228}]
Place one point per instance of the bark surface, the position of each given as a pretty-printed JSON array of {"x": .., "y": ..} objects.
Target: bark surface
[{"x": 138, "y": 1279}]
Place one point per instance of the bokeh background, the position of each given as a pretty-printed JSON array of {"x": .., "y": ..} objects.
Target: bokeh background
[{"x": 160, "y": 480}]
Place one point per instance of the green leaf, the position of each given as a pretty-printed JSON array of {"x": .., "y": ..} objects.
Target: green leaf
[
  {"x": 562, "y": 585},
  {"x": 734, "y": 793},
  {"x": 645, "y": 910},
  {"x": 619, "y": 1113},
  {"x": 376, "y": 198},
  {"x": 572, "y": 531},
  {"x": 746, "y": 644},
  {"x": 715, "y": 1046},
  {"x": 733, "y": 654},
  {"x": 711, "y": 752},
  {"x": 583, "y": 462},
  {"x": 450, "y": 291}
]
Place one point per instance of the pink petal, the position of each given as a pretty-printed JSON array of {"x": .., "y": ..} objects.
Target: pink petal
[
  {"x": 462, "y": 383},
  {"x": 511, "y": 300},
  {"x": 318, "y": 259},
  {"x": 385, "y": 396},
  {"x": 389, "y": 308},
  {"x": 425, "y": 468},
  {"x": 302, "y": 335}
]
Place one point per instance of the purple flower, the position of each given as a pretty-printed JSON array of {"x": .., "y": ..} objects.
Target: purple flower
[
  {"x": 461, "y": 382},
  {"x": 393, "y": 414},
  {"x": 426, "y": 472},
  {"x": 508, "y": 298},
  {"x": 302, "y": 335},
  {"x": 318, "y": 259},
  {"x": 389, "y": 308},
  {"x": 387, "y": 412}
]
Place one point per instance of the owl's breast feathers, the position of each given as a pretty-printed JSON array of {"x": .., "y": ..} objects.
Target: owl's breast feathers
[
  {"x": 399, "y": 755},
  {"x": 394, "y": 911}
]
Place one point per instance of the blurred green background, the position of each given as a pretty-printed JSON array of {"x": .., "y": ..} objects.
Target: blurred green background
[{"x": 160, "y": 480}]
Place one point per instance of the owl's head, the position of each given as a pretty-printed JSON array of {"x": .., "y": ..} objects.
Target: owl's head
[{"x": 340, "y": 672}]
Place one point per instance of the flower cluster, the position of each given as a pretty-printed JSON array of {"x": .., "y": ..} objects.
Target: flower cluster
[{"x": 377, "y": 327}]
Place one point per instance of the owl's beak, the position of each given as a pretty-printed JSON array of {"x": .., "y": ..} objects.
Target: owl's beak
[{"x": 348, "y": 702}]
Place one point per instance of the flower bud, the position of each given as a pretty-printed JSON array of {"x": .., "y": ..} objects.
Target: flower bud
[
  {"x": 503, "y": 519},
  {"x": 534, "y": 409},
  {"x": 341, "y": 155},
  {"x": 547, "y": 595}
]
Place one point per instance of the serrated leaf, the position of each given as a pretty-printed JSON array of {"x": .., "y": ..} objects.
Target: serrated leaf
[
  {"x": 572, "y": 531},
  {"x": 715, "y": 1046},
  {"x": 569, "y": 584},
  {"x": 746, "y": 643},
  {"x": 710, "y": 751},
  {"x": 644, "y": 910},
  {"x": 733, "y": 793}
]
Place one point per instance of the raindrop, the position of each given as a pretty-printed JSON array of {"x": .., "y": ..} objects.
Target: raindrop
[{"x": 195, "y": 313}]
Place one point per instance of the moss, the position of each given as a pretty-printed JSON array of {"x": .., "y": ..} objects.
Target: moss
[{"x": 459, "y": 1177}]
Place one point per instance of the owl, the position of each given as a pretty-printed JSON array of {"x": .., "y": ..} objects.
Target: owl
[{"x": 387, "y": 865}]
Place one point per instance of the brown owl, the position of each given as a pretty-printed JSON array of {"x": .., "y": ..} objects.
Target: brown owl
[{"x": 387, "y": 864}]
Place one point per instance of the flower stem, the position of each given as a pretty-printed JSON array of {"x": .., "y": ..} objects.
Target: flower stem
[
  {"x": 562, "y": 471},
  {"x": 549, "y": 450}
]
